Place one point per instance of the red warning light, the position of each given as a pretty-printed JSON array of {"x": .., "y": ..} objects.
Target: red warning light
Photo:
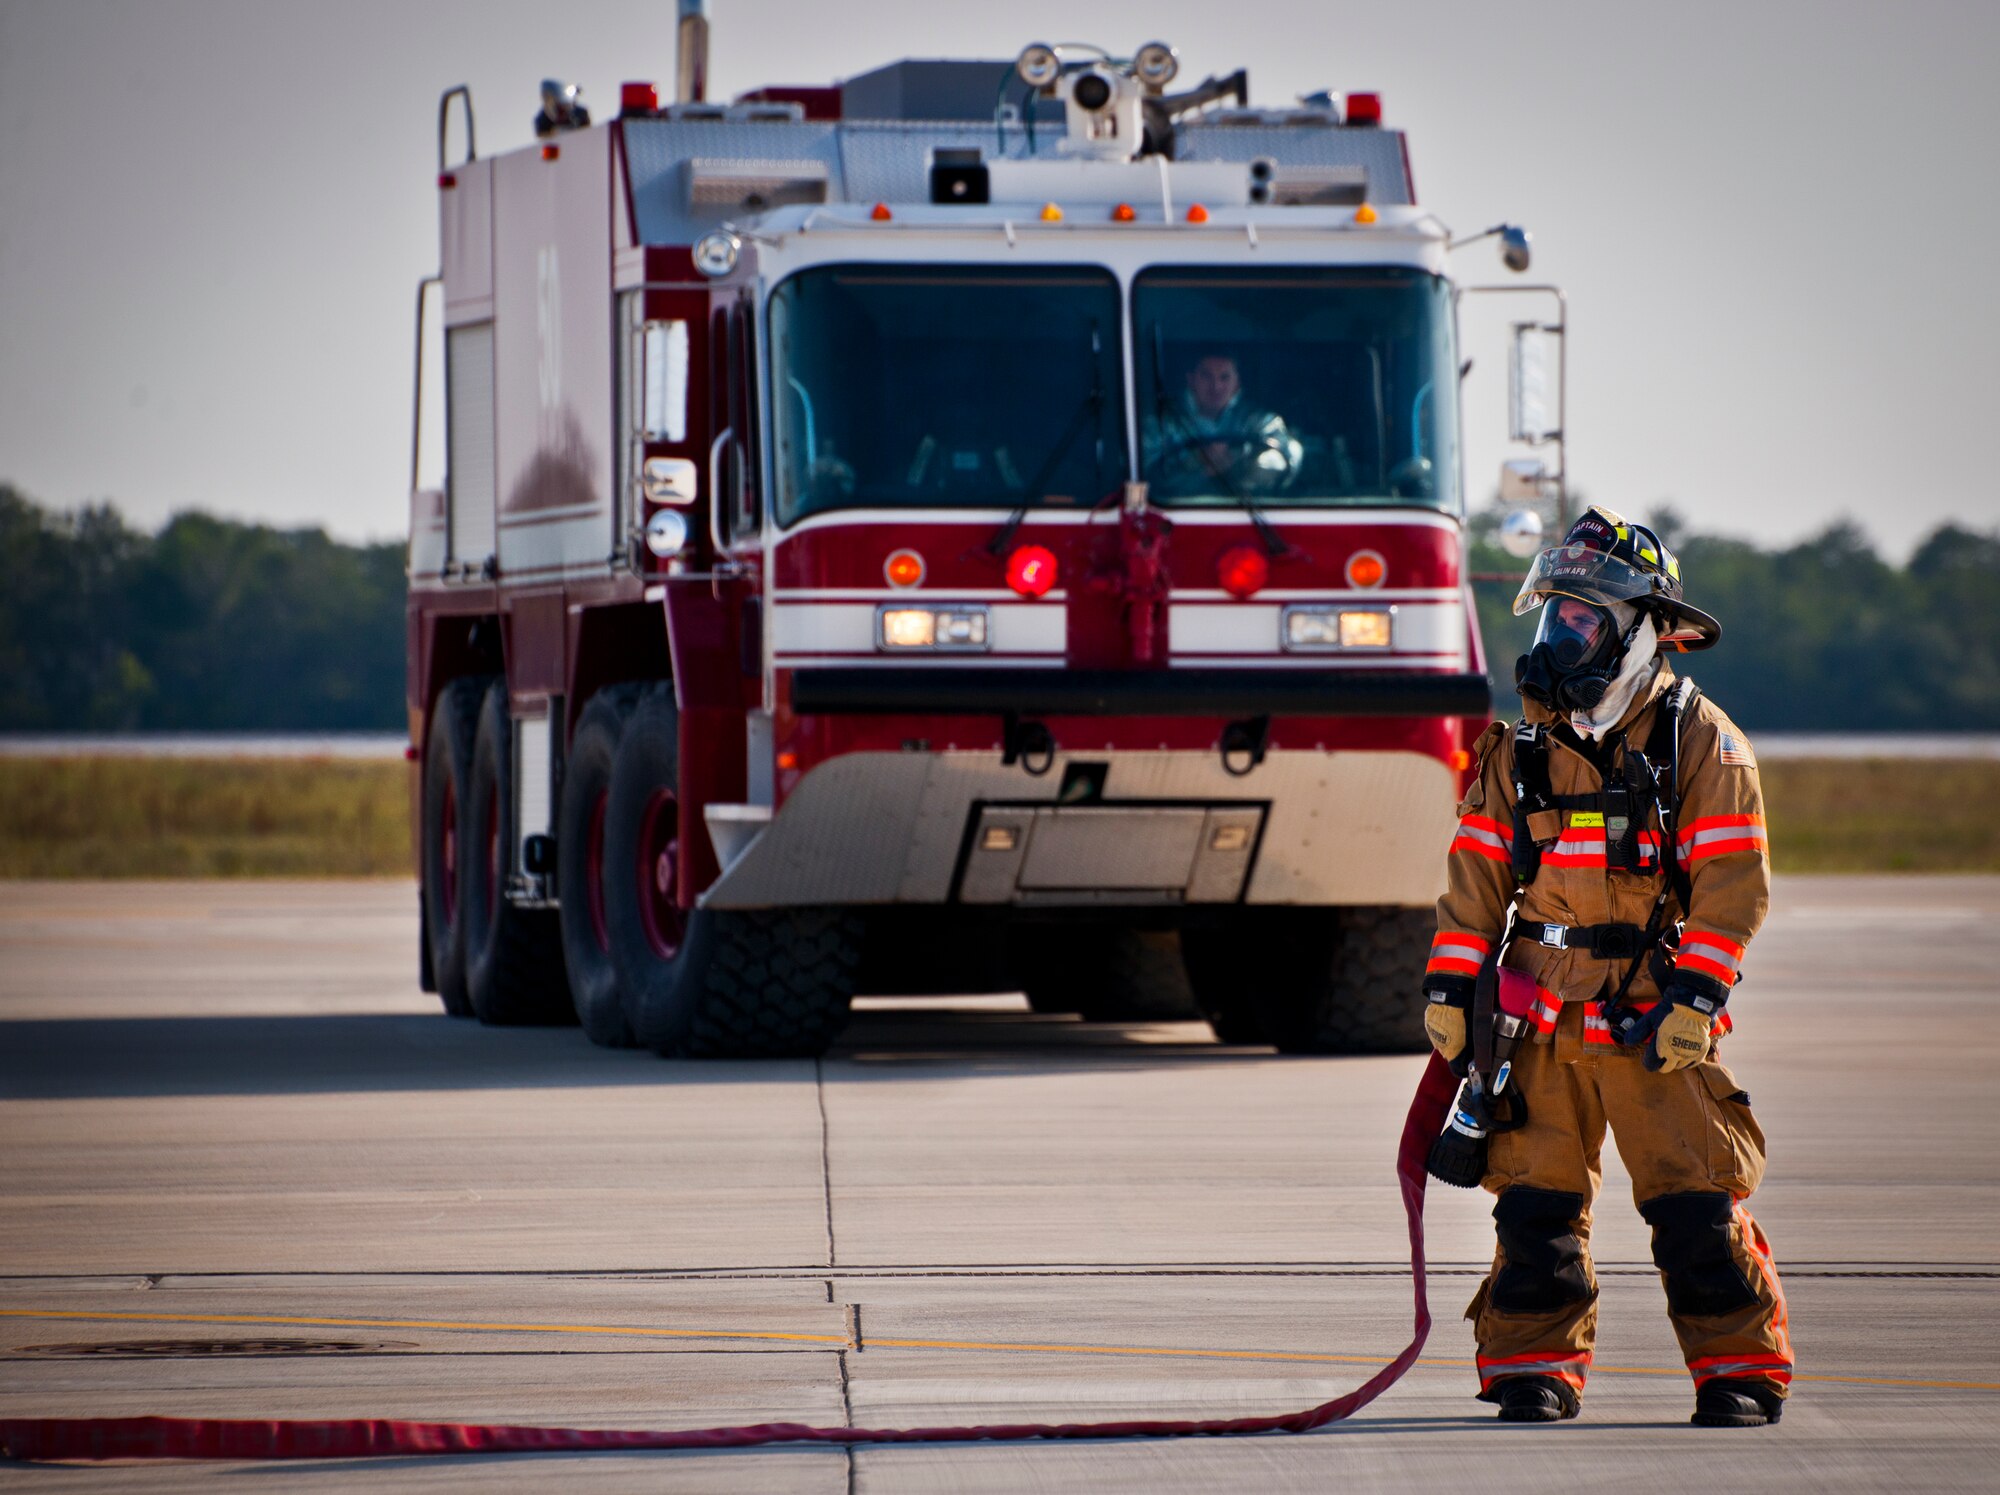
[
  {"x": 550, "y": 152},
  {"x": 1123, "y": 213},
  {"x": 1031, "y": 570},
  {"x": 638, "y": 98},
  {"x": 1197, "y": 214},
  {"x": 1364, "y": 109},
  {"x": 446, "y": 181},
  {"x": 880, "y": 212},
  {"x": 1243, "y": 570}
]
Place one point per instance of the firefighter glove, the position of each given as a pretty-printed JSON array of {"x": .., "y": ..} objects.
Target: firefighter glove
[
  {"x": 1676, "y": 1031},
  {"x": 1447, "y": 1001}
]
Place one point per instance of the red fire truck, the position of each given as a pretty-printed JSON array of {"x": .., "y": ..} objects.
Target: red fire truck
[{"x": 979, "y": 526}]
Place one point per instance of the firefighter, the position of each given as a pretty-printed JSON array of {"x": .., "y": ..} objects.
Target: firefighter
[
  {"x": 1213, "y": 436},
  {"x": 1623, "y": 820}
]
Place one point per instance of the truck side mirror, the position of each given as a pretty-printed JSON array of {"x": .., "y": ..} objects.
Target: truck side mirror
[
  {"x": 1523, "y": 480},
  {"x": 1528, "y": 385},
  {"x": 1515, "y": 253},
  {"x": 664, "y": 380},
  {"x": 1521, "y": 533}
]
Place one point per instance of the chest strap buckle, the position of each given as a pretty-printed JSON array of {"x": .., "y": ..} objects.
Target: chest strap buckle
[{"x": 1604, "y": 941}]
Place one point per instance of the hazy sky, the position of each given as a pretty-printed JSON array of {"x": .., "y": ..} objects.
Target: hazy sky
[{"x": 213, "y": 214}]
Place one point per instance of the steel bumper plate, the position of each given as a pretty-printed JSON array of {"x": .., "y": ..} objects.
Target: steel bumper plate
[{"x": 1355, "y": 827}]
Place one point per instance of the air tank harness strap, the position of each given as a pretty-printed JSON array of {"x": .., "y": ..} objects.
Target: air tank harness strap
[
  {"x": 1636, "y": 788},
  {"x": 1662, "y": 763}
]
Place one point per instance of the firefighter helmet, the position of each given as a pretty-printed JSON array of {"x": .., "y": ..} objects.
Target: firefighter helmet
[{"x": 1605, "y": 559}]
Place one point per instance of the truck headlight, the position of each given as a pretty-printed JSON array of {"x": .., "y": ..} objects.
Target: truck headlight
[
  {"x": 939, "y": 629},
  {"x": 1364, "y": 628}
]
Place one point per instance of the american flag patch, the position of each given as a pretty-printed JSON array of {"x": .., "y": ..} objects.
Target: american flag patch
[{"x": 1736, "y": 752}]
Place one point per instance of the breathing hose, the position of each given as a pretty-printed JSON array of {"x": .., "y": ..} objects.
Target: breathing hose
[{"x": 93, "y": 1438}]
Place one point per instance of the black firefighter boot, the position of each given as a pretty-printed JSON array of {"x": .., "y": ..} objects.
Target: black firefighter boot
[
  {"x": 1724, "y": 1403},
  {"x": 1535, "y": 1399}
]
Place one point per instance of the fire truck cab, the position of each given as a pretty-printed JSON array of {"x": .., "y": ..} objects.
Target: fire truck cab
[{"x": 979, "y": 526}]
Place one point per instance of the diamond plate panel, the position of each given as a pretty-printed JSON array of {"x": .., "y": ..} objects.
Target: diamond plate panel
[
  {"x": 1378, "y": 152},
  {"x": 657, "y": 152}
]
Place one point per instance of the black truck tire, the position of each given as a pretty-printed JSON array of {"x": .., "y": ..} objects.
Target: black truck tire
[
  {"x": 1229, "y": 962},
  {"x": 709, "y": 983},
  {"x": 1315, "y": 981},
  {"x": 513, "y": 956},
  {"x": 1104, "y": 973},
  {"x": 1375, "y": 1004},
  {"x": 447, "y": 775},
  {"x": 581, "y": 822}
]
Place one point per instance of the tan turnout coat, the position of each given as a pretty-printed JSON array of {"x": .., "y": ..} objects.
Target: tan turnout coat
[{"x": 1719, "y": 839}]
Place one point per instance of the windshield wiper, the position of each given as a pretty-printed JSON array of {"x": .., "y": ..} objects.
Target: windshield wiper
[
  {"x": 1088, "y": 410},
  {"x": 1163, "y": 412}
]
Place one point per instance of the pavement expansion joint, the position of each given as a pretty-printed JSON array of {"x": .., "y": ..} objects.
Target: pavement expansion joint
[{"x": 825, "y": 1272}]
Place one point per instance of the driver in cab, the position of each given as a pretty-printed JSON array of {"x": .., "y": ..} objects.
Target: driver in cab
[{"x": 1212, "y": 439}]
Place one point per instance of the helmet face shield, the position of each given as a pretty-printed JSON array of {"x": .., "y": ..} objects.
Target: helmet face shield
[
  {"x": 1589, "y": 575},
  {"x": 1578, "y": 634}
]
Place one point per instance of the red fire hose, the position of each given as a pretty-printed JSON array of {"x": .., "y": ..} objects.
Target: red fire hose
[{"x": 70, "y": 1438}]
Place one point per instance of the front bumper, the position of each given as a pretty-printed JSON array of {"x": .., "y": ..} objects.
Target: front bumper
[{"x": 1330, "y": 828}]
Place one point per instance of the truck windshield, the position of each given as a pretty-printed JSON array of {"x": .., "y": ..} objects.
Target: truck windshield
[
  {"x": 1296, "y": 387},
  {"x": 927, "y": 386}
]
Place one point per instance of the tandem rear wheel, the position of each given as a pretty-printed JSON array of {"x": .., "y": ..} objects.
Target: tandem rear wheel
[
  {"x": 582, "y": 823},
  {"x": 487, "y": 958},
  {"x": 1314, "y": 980},
  {"x": 707, "y": 983}
]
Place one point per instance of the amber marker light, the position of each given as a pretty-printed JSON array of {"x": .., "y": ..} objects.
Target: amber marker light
[
  {"x": 1123, "y": 213},
  {"x": 880, "y": 212},
  {"x": 1051, "y": 213},
  {"x": 904, "y": 568},
  {"x": 1461, "y": 760},
  {"x": 1366, "y": 213},
  {"x": 550, "y": 152},
  {"x": 789, "y": 760},
  {"x": 1031, "y": 570},
  {"x": 1243, "y": 570},
  {"x": 1197, "y": 214},
  {"x": 1366, "y": 568}
]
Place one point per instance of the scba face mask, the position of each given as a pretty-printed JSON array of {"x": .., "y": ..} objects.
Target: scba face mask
[{"x": 1577, "y": 654}]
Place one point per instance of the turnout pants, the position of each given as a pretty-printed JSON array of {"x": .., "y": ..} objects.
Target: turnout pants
[{"x": 1694, "y": 1152}]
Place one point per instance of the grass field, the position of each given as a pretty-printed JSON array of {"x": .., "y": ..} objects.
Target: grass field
[
  {"x": 203, "y": 817},
  {"x": 191, "y": 817}
]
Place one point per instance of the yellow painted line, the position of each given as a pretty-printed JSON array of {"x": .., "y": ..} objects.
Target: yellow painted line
[{"x": 1018, "y": 1348}]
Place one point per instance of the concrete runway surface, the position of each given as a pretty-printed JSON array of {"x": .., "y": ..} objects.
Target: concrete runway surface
[{"x": 229, "y": 1121}]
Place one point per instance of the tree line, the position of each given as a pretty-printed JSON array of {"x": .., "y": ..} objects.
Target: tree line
[
  {"x": 208, "y": 625},
  {"x": 215, "y": 625}
]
